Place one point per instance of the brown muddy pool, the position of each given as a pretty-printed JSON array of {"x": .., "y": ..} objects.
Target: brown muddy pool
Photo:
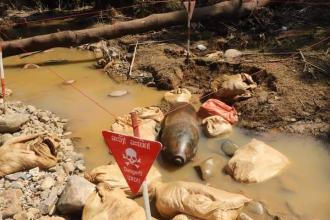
[{"x": 302, "y": 191}]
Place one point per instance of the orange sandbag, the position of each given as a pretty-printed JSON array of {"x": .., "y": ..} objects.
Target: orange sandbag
[{"x": 215, "y": 107}]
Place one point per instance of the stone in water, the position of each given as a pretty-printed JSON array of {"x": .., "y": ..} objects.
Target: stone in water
[
  {"x": 229, "y": 148},
  {"x": 118, "y": 93},
  {"x": 201, "y": 47},
  {"x": 69, "y": 82}
]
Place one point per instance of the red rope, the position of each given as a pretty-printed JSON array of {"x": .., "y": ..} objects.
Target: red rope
[{"x": 64, "y": 80}]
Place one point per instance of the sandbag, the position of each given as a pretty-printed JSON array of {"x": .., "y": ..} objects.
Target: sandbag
[
  {"x": 197, "y": 200},
  {"x": 215, "y": 107},
  {"x": 27, "y": 152},
  {"x": 112, "y": 175},
  {"x": 232, "y": 88},
  {"x": 111, "y": 204},
  {"x": 256, "y": 162},
  {"x": 153, "y": 113},
  {"x": 216, "y": 126},
  {"x": 177, "y": 95},
  {"x": 147, "y": 127},
  {"x": 185, "y": 217}
]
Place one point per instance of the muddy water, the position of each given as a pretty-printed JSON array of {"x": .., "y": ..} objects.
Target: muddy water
[{"x": 304, "y": 185}]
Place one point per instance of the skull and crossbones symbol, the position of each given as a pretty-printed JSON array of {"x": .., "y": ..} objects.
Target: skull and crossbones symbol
[{"x": 131, "y": 157}]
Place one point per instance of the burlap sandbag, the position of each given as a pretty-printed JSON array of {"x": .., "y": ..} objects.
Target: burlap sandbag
[
  {"x": 256, "y": 162},
  {"x": 233, "y": 87},
  {"x": 177, "y": 95},
  {"x": 185, "y": 217},
  {"x": 112, "y": 175},
  {"x": 198, "y": 200},
  {"x": 27, "y": 152},
  {"x": 148, "y": 128},
  {"x": 153, "y": 113},
  {"x": 111, "y": 204},
  {"x": 216, "y": 126}
]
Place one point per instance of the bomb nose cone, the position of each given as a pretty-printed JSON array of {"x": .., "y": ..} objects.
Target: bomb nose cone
[{"x": 179, "y": 160}]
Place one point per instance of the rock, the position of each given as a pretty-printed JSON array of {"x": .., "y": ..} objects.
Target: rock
[
  {"x": 31, "y": 66},
  {"x": 208, "y": 168},
  {"x": 4, "y": 138},
  {"x": 69, "y": 82},
  {"x": 52, "y": 210},
  {"x": 201, "y": 47},
  {"x": 45, "y": 119},
  {"x": 64, "y": 120},
  {"x": 14, "y": 176},
  {"x": 34, "y": 211},
  {"x": 47, "y": 183},
  {"x": 17, "y": 185},
  {"x": 81, "y": 167},
  {"x": 68, "y": 168},
  {"x": 74, "y": 196},
  {"x": 8, "y": 93},
  {"x": 12, "y": 122},
  {"x": 229, "y": 148},
  {"x": 118, "y": 93},
  {"x": 51, "y": 218},
  {"x": 232, "y": 53},
  {"x": 243, "y": 216},
  {"x": 47, "y": 205},
  {"x": 13, "y": 206},
  {"x": 34, "y": 172},
  {"x": 23, "y": 215},
  {"x": 31, "y": 109},
  {"x": 45, "y": 194},
  {"x": 255, "y": 207}
]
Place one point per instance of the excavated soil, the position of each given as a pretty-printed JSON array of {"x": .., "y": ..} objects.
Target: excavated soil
[{"x": 287, "y": 99}]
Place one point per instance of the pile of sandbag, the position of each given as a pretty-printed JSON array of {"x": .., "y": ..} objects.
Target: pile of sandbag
[
  {"x": 232, "y": 88},
  {"x": 107, "y": 203},
  {"x": 148, "y": 120},
  {"x": 216, "y": 126},
  {"x": 256, "y": 162},
  {"x": 27, "y": 152},
  {"x": 111, "y": 175},
  {"x": 215, "y": 107},
  {"x": 197, "y": 200},
  {"x": 177, "y": 95}
]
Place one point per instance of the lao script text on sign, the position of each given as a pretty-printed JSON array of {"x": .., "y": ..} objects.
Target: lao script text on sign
[{"x": 133, "y": 155}]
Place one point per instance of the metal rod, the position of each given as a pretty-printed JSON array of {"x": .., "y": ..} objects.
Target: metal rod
[
  {"x": 188, "y": 41},
  {"x": 136, "y": 132},
  {"x": 2, "y": 74}
]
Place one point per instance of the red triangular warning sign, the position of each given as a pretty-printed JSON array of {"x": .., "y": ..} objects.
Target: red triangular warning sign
[
  {"x": 192, "y": 7},
  {"x": 133, "y": 155}
]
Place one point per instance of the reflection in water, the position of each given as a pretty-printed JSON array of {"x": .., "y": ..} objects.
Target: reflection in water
[{"x": 304, "y": 184}]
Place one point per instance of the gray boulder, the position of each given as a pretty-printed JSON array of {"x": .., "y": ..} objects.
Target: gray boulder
[
  {"x": 12, "y": 122},
  {"x": 75, "y": 195}
]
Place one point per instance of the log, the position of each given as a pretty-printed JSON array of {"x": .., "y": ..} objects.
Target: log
[{"x": 224, "y": 10}]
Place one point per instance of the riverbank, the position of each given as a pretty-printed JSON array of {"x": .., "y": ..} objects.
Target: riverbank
[{"x": 31, "y": 194}]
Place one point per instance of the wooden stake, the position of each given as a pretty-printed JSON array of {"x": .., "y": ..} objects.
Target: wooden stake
[{"x": 131, "y": 67}]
